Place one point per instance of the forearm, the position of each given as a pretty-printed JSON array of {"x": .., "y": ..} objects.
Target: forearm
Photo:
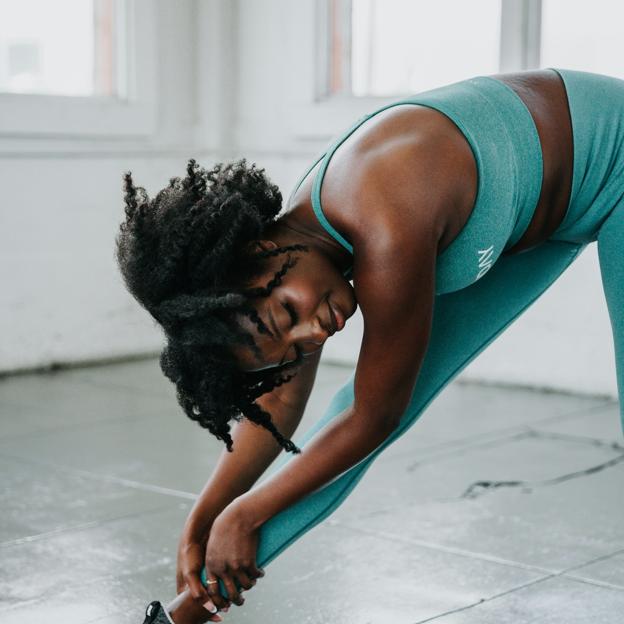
[
  {"x": 336, "y": 448},
  {"x": 254, "y": 449}
]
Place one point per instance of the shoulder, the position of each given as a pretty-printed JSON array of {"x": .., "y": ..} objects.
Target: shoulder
[
  {"x": 393, "y": 190},
  {"x": 406, "y": 166}
]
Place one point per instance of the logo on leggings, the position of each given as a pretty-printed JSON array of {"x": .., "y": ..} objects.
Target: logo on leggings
[{"x": 485, "y": 261}]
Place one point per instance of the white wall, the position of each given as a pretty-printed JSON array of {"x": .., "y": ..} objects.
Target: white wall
[
  {"x": 62, "y": 299},
  {"x": 236, "y": 78}
]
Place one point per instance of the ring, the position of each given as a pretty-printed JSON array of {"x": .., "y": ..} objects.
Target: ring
[{"x": 208, "y": 582}]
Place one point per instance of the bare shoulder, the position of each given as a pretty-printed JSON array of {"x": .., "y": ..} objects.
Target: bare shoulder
[
  {"x": 396, "y": 181},
  {"x": 406, "y": 167}
]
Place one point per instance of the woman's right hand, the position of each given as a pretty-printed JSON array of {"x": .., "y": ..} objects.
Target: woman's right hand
[{"x": 190, "y": 561}]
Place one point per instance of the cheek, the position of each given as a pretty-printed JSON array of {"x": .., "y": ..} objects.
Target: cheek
[{"x": 310, "y": 292}]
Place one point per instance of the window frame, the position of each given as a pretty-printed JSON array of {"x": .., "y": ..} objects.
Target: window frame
[
  {"x": 77, "y": 117},
  {"x": 325, "y": 114}
]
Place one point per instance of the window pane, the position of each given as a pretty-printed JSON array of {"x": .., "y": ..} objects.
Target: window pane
[
  {"x": 407, "y": 46},
  {"x": 60, "y": 47},
  {"x": 588, "y": 37}
]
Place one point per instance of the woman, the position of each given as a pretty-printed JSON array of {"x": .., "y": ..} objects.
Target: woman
[{"x": 451, "y": 211}]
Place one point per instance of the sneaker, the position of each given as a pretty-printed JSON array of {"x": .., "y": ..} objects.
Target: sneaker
[{"x": 157, "y": 614}]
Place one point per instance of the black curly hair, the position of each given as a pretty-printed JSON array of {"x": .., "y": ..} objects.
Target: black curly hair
[{"x": 185, "y": 258}]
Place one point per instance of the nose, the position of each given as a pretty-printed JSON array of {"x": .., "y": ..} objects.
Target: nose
[{"x": 311, "y": 333}]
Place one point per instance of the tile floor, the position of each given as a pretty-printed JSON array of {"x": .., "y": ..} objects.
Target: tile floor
[{"x": 499, "y": 505}]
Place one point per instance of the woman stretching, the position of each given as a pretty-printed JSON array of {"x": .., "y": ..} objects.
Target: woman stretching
[{"x": 451, "y": 211}]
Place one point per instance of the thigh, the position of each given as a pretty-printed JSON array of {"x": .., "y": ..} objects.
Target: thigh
[
  {"x": 464, "y": 323},
  {"x": 610, "y": 244}
]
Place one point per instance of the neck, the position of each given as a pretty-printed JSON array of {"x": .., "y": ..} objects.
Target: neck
[{"x": 289, "y": 231}]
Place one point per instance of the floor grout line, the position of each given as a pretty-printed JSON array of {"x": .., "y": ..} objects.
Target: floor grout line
[
  {"x": 138, "y": 485},
  {"x": 562, "y": 574},
  {"x": 452, "y": 550},
  {"x": 484, "y": 600},
  {"x": 596, "y": 582},
  {"x": 81, "y": 526}
]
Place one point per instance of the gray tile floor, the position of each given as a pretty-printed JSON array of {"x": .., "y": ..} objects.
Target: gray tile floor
[{"x": 499, "y": 505}]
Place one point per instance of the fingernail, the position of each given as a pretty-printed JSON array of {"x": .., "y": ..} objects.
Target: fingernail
[
  {"x": 209, "y": 606},
  {"x": 217, "y": 618},
  {"x": 226, "y": 609}
]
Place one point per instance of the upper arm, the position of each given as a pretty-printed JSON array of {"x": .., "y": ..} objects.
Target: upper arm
[{"x": 394, "y": 281}]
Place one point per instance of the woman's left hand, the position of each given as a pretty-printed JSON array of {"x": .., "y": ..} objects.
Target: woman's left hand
[{"x": 231, "y": 552}]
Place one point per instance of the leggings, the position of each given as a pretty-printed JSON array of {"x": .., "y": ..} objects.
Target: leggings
[{"x": 474, "y": 317}]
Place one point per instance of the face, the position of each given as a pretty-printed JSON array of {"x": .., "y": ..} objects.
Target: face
[{"x": 299, "y": 312}]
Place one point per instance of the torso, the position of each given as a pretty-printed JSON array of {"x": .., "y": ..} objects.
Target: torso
[{"x": 544, "y": 95}]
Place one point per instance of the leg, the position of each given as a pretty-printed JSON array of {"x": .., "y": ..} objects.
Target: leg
[
  {"x": 464, "y": 323},
  {"x": 610, "y": 241}
]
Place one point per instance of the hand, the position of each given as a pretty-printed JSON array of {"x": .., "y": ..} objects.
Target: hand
[
  {"x": 190, "y": 560},
  {"x": 231, "y": 554}
]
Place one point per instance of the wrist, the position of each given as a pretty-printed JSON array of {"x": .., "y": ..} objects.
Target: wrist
[
  {"x": 197, "y": 526},
  {"x": 249, "y": 510}
]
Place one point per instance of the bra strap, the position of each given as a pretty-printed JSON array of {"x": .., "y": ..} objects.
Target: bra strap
[
  {"x": 316, "y": 206},
  {"x": 303, "y": 177},
  {"x": 318, "y": 181}
]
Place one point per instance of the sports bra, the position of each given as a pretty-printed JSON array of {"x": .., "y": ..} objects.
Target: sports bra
[{"x": 503, "y": 137}]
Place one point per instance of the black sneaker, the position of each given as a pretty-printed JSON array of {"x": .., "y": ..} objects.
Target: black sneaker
[{"x": 156, "y": 614}]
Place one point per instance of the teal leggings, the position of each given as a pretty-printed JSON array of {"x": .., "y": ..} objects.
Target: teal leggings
[{"x": 464, "y": 323}]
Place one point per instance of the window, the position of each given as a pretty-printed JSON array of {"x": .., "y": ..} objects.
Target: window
[
  {"x": 56, "y": 55},
  {"x": 367, "y": 53},
  {"x": 390, "y": 47},
  {"x": 590, "y": 38},
  {"x": 77, "y": 68}
]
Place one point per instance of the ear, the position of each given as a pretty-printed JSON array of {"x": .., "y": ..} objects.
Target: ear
[{"x": 261, "y": 245}]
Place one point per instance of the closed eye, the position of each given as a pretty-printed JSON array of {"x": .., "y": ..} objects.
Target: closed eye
[
  {"x": 294, "y": 319},
  {"x": 293, "y": 315}
]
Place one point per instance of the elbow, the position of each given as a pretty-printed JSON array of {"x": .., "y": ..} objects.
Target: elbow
[{"x": 377, "y": 425}]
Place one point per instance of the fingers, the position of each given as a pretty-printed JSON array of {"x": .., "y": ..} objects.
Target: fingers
[
  {"x": 202, "y": 595},
  {"x": 245, "y": 580},
  {"x": 230, "y": 587},
  {"x": 233, "y": 589},
  {"x": 213, "y": 610},
  {"x": 198, "y": 591},
  {"x": 234, "y": 582},
  {"x": 213, "y": 603},
  {"x": 256, "y": 572}
]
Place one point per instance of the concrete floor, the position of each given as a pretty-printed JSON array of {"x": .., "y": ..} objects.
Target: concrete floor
[{"x": 99, "y": 467}]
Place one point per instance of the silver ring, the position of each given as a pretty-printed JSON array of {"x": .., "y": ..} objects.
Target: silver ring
[{"x": 209, "y": 582}]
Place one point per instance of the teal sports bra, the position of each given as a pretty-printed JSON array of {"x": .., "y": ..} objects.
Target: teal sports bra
[{"x": 503, "y": 137}]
